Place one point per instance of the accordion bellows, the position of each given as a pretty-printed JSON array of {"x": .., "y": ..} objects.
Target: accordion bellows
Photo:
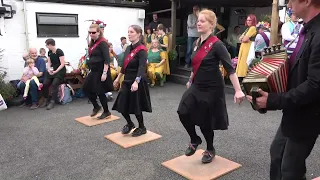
[{"x": 270, "y": 74}]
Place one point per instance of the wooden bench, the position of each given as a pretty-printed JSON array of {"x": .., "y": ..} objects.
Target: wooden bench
[{"x": 74, "y": 76}]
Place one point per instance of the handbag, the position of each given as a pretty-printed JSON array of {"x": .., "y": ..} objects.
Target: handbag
[{"x": 3, "y": 105}]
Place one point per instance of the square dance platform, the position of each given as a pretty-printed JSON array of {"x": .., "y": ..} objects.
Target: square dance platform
[
  {"x": 191, "y": 167},
  {"x": 127, "y": 141},
  {"x": 93, "y": 121}
]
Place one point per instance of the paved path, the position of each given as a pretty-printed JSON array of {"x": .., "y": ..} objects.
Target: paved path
[{"x": 49, "y": 145}]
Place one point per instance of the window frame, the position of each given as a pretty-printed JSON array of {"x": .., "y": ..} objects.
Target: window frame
[{"x": 56, "y": 24}]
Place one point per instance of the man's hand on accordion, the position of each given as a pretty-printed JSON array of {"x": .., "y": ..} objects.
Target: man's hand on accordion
[{"x": 261, "y": 101}]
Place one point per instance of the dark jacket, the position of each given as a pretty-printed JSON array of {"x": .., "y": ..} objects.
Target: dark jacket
[{"x": 301, "y": 103}]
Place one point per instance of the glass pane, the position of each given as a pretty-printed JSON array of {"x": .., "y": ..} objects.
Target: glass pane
[
  {"x": 57, "y": 31},
  {"x": 57, "y": 19}
]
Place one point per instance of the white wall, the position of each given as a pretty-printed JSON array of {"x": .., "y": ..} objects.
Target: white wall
[{"x": 117, "y": 20}]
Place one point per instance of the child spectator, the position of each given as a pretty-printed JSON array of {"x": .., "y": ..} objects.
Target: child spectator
[
  {"x": 30, "y": 72},
  {"x": 43, "y": 54}
]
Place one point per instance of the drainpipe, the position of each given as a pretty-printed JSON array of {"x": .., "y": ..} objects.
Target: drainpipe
[{"x": 26, "y": 23}]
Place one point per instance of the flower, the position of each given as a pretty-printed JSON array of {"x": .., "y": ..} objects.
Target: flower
[
  {"x": 100, "y": 23},
  {"x": 263, "y": 24},
  {"x": 289, "y": 12}
]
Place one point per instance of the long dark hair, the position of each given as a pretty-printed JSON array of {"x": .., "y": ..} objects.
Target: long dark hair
[
  {"x": 97, "y": 27},
  {"x": 138, "y": 29}
]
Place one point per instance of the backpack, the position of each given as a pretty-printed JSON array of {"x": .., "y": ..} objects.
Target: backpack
[{"x": 65, "y": 94}]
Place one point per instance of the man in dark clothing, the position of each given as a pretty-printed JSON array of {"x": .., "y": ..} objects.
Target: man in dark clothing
[
  {"x": 300, "y": 125},
  {"x": 154, "y": 23},
  {"x": 32, "y": 98}
]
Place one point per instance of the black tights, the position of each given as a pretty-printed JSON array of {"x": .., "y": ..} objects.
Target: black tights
[
  {"x": 103, "y": 100},
  {"x": 195, "y": 139},
  {"x": 54, "y": 83},
  {"x": 139, "y": 118}
]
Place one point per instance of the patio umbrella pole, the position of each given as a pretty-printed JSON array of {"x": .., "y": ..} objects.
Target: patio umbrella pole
[{"x": 274, "y": 23}]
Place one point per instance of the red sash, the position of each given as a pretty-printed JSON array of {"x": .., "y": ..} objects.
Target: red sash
[
  {"x": 95, "y": 45},
  {"x": 131, "y": 55},
  {"x": 201, "y": 54}
]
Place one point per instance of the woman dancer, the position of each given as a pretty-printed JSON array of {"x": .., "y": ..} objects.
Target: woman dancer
[
  {"x": 133, "y": 97},
  {"x": 203, "y": 104},
  {"x": 98, "y": 82}
]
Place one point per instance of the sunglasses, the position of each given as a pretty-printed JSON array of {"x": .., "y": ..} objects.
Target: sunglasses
[{"x": 92, "y": 32}]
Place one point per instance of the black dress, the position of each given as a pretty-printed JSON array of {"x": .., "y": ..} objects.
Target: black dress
[
  {"x": 129, "y": 102},
  {"x": 99, "y": 57},
  {"x": 204, "y": 101}
]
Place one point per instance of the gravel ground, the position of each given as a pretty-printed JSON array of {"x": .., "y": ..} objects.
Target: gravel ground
[{"x": 49, "y": 145}]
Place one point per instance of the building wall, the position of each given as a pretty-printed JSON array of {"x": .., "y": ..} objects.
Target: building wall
[{"x": 117, "y": 20}]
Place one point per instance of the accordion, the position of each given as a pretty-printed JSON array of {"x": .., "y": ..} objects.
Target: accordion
[{"x": 270, "y": 74}]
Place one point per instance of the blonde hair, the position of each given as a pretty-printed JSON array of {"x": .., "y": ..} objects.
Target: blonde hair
[
  {"x": 29, "y": 61},
  {"x": 210, "y": 16},
  {"x": 157, "y": 41},
  {"x": 97, "y": 27}
]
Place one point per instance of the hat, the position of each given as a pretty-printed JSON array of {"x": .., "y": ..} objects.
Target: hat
[
  {"x": 100, "y": 23},
  {"x": 263, "y": 24},
  {"x": 289, "y": 12}
]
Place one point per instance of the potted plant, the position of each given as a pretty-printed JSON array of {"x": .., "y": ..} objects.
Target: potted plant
[{"x": 172, "y": 55}]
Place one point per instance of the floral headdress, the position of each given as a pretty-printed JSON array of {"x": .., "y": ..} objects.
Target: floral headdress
[
  {"x": 263, "y": 24},
  {"x": 100, "y": 23},
  {"x": 289, "y": 12}
]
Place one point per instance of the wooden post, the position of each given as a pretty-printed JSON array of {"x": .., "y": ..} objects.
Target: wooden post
[
  {"x": 173, "y": 23},
  {"x": 274, "y": 23}
]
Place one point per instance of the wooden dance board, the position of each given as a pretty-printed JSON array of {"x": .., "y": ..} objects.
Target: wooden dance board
[
  {"x": 191, "y": 167},
  {"x": 318, "y": 178},
  {"x": 93, "y": 121},
  {"x": 127, "y": 141}
]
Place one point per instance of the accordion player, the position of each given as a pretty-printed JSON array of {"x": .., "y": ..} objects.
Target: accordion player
[{"x": 270, "y": 74}]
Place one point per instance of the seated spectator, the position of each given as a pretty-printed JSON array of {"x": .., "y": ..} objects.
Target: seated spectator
[
  {"x": 56, "y": 71},
  {"x": 30, "y": 73},
  {"x": 43, "y": 54},
  {"x": 33, "y": 98}
]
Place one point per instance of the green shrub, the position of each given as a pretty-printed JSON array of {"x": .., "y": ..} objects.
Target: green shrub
[
  {"x": 172, "y": 54},
  {"x": 6, "y": 89}
]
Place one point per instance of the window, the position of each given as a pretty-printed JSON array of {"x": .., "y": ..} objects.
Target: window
[{"x": 57, "y": 25}]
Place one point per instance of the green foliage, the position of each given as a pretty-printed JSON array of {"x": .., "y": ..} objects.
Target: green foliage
[
  {"x": 265, "y": 18},
  {"x": 7, "y": 91},
  {"x": 172, "y": 55}
]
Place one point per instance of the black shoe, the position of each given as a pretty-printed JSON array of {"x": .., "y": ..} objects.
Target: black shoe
[
  {"x": 127, "y": 128},
  {"x": 193, "y": 147},
  {"x": 139, "y": 131},
  {"x": 45, "y": 103},
  {"x": 95, "y": 111},
  {"x": 50, "y": 105},
  {"x": 208, "y": 156},
  {"x": 105, "y": 115}
]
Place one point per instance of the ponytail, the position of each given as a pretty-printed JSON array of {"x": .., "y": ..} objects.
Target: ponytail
[{"x": 142, "y": 39}]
